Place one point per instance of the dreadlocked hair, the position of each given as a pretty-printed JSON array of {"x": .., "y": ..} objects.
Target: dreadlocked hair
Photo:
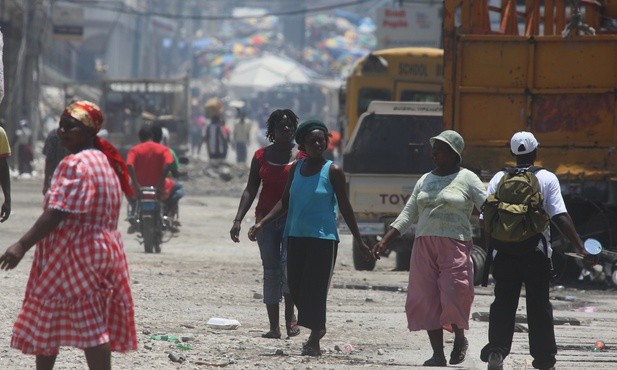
[{"x": 277, "y": 117}]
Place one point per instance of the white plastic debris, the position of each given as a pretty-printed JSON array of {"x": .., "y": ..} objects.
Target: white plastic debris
[{"x": 220, "y": 323}]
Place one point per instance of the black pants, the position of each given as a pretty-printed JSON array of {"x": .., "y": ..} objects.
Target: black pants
[
  {"x": 310, "y": 262},
  {"x": 510, "y": 272}
]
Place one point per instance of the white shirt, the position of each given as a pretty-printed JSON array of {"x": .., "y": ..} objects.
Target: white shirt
[{"x": 551, "y": 192}]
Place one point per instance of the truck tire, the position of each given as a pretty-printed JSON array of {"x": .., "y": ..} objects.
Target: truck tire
[
  {"x": 478, "y": 257},
  {"x": 358, "y": 262}
]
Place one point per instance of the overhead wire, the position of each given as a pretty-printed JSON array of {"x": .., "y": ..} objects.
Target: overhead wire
[{"x": 133, "y": 11}]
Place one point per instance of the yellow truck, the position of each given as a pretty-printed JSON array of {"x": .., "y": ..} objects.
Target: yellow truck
[{"x": 548, "y": 67}]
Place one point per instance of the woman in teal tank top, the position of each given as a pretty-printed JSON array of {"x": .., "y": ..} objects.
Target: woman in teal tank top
[{"x": 315, "y": 189}]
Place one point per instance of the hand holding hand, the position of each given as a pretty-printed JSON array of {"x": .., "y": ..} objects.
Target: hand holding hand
[
  {"x": 254, "y": 230},
  {"x": 367, "y": 254},
  {"x": 235, "y": 231},
  {"x": 378, "y": 248},
  {"x": 5, "y": 211},
  {"x": 12, "y": 256}
]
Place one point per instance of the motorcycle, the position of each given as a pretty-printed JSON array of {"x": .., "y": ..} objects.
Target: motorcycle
[{"x": 151, "y": 221}]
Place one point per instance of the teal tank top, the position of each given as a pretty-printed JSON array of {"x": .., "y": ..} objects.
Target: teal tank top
[{"x": 312, "y": 205}]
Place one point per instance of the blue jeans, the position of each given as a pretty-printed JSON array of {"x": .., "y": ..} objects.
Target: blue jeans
[{"x": 273, "y": 251}]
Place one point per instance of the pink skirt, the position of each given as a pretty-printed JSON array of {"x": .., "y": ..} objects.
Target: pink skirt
[{"x": 440, "y": 290}]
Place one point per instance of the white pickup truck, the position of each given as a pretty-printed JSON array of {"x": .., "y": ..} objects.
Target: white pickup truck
[{"x": 387, "y": 153}]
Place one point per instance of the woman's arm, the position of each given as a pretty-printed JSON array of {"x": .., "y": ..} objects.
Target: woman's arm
[
  {"x": 248, "y": 196},
  {"x": 45, "y": 224}
]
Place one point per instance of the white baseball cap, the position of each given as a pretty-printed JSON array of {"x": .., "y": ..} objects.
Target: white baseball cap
[{"x": 523, "y": 142}]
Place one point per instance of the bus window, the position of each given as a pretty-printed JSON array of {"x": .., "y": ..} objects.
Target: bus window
[
  {"x": 409, "y": 95},
  {"x": 367, "y": 95}
]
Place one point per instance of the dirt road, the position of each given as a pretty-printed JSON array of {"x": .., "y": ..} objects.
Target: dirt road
[{"x": 202, "y": 274}]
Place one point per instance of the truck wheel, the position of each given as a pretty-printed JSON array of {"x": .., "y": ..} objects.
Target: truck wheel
[
  {"x": 478, "y": 257},
  {"x": 358, "y": 262},
  {"x": 403, "y": 256}
]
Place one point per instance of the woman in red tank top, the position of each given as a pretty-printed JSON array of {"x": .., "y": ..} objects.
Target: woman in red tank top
[{"x": 269, "y": 169}]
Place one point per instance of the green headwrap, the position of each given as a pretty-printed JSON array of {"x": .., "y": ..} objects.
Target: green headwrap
[{"x": 308, "y": 126}]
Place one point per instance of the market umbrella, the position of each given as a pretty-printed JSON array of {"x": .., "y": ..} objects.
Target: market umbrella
[{"x": 259, "y": 74}]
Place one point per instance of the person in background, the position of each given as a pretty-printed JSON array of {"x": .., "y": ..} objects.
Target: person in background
[
  {"x": 216, "y": 139},
  {"x": 78, "y": 293},
  {"x": 176, "y": 191},
  {"x": 216, "y": 136},
  {"x": 148, "y": 165},
  {"x": 197, "y": 133},
  {"x": 315, "y": 189},
  {"x": 440, "y": 290},
  {"x": 54, "y": 153},
  {"x": 241, "y": 137},
  {"x": 269, "y": 169},
  {"x": 5, "y": 173},
  {"x": 512, "y": 271},
  {"x": 23, "y": 142}
]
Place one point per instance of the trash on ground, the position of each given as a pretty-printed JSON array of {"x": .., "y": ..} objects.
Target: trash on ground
[
  {"x": 169, "y": 338},
  {"x": 220, "y": 323},
  {"x": 176, "y": 358}
]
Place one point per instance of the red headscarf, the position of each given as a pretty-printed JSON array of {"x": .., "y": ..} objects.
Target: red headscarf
[{"x": 91, "y": 116}]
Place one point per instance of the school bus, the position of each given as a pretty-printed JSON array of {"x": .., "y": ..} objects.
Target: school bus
[{"x": 397, "y": 74}]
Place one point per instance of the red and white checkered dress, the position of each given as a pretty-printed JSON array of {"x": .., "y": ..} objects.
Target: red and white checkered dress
[{"x": 78, "y": 292}]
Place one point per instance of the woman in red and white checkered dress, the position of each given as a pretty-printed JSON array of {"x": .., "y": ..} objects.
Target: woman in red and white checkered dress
[{"x": 78, "y": 292}]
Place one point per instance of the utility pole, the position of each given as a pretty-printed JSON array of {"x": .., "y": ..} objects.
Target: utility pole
[{"x": 31, "y": 87}]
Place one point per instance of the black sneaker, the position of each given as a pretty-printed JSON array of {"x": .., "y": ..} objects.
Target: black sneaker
[{"x": 495, "y": 361}]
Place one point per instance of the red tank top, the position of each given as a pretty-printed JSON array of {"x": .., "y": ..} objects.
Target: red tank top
[{"x": 273, "y": 181}]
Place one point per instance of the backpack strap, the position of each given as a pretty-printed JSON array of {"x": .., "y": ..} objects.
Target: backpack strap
[{"x": 534, "y": 169}]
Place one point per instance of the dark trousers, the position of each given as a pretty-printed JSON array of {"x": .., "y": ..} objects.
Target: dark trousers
[
  {"x": 510, "y": 272},
  {"x": 310, "y": 262}
]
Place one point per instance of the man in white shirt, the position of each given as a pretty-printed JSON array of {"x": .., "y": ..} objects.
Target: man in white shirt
[{"x": 512, "y": 271}]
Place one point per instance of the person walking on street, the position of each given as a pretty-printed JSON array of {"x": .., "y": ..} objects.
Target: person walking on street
[
  {"x": 315, "y": 189},
  {"x": 23, "y": 142},
  {"x": 534, "y": 269},
  {"x": 78, "y": 293},
  {"x": 241, "y": 137},
  {"x": 270, "y": 168},
  {"x": 440, "y": 289}
]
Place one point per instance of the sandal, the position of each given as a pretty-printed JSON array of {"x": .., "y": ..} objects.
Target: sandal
[
  {"x": 436, "y": 360},
  {"x": 272, "y": 334},
  {"x": 292, "y": 328},
  {"x": 310, "y": 350},
  {"x": 458, "y": 352}
]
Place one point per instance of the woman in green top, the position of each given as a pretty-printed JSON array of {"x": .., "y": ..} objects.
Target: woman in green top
[{"x": 440, "y": 290}]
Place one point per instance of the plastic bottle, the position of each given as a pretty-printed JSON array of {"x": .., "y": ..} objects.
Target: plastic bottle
[{"x": 169, "y": 338}]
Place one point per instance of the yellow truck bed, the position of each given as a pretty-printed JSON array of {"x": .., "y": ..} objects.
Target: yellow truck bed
[{"x": 564, "y": 90}]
